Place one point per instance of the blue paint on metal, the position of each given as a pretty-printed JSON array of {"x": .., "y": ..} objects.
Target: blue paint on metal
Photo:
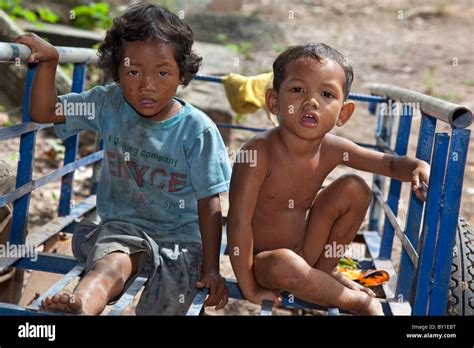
[
  {"x": 48, "y": 262},
  {"x": 401, "y": 146},
  {"x": 426, "y": 250},
  {"x": 384, "y": 132},
  {"x": 415, "y": 211},
  {"x": 34, "y": 184},
  {"x": 25, "y": 169},
  {"x": 448, "y": 221},
  {"x": 19, "y": 129},
  {"x": 71, "y": 145}
]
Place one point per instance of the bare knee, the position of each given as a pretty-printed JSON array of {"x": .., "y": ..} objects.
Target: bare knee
[
  {"x": 357, "y": 188},
  {"x": 115, "y": 268},
  {"x": 282, "y": 269}
]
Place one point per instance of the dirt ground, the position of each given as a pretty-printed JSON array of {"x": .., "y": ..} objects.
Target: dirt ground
[{"x": 420, "y": 45}]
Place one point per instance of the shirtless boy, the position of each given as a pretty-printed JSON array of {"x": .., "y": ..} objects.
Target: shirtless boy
[{"x": 280, "y": 221}]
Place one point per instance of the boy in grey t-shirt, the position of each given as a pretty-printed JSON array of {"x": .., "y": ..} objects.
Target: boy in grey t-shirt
[{"x": 162, "y": 172}]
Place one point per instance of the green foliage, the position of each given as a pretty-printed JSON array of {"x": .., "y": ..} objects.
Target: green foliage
[
  {"x": 93, "y": 15},
  {"x": 429, "y": 80},
  {"x": 15, "y": 10},
  {"x": 347, "y": 262},
  {"x": 240, "y": 118},
  {"x": 170, "y": 5},
  {"x": 244, "y": 48},
  {"x": 46, "y": 15}
]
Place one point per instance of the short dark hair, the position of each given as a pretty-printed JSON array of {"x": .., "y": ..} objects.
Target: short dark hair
[
  {"x": 143, "y": 22},
  {"x": 318, "y": 51}
]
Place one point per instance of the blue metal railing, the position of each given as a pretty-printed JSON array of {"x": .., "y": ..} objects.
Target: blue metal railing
[{"x": 426, "y": 259}]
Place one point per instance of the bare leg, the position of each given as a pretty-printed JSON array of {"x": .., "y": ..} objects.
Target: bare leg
[
  {"x": 104, "y": 282},
  {"x": 336, "y": 216},
  {"x": 283, "y": 269}
]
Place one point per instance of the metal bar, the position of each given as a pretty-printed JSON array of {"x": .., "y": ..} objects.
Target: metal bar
[
  {"x": 415, "y": 210},
  {"x": 384, "y": 147},
  {"x": 71, "y": 144},
  {"x": 128, "y": 296},
  {"x": 456, "y": 115},
  {"x": 58, "y": 286},
  {"x": 252, "y": 129},
  {"x": 224, "y": 240},
  {"x": 398, "y": 306},
  {"x": 34, "y": 184},
  {"x": 24, "y": 170},
  {"x": 14, "y": 309},
  {"x": 267, "y": 307},
  {"x": 423, "y": 278},
  {"x": 198, "y": 302},
  {"x": 401, "y": 146},
  {"x": 353, "y": 96},
  {"x": 383, "y": 132},
  {"x": 41, "y": 234},
  {"x": 48, "y": 262},
  {"x": 407, "y": 245},
  {"x": 449, "y": 221},
  {"x": 10, "y": 52},
  {"x": 20, "y": 129}
]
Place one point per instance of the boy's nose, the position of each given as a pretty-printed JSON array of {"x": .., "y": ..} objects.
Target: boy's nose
[
  {"x": 146, "y": 84},
  {"x": 311, "y": 102}
]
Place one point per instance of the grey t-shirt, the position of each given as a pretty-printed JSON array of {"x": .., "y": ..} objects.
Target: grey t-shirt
[{"x": 153, "y": 172}]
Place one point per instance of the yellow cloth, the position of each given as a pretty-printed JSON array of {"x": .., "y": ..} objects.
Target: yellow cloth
[{"x": 247, "y": 94}]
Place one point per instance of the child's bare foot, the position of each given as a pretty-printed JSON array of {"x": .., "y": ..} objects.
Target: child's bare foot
[
  {"x": 349, "y": 283},
  {"x": 63, "y": 302}
]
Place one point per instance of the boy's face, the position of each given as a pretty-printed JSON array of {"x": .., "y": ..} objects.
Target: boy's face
[
  {"x": 311, "y": 98},
  {"x": 149, "y": 77}
]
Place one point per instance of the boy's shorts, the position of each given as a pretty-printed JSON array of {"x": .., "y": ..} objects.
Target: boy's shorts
[{"x": 172, "y": 269}]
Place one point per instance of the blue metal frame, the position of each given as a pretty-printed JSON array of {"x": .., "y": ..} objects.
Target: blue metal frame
[
  {"x": 434, "y": 244},
  {"x": 71, "y": 144},
  {"x": 401, "y": 147},
  {"x": 424, "y": 282}
]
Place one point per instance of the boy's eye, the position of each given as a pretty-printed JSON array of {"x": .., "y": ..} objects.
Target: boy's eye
[
  {"x": 328, "y": 94},
  {"x": 163, "y": 73},
  {"x": 296, "y": 90},
  {"x": 133, "y": 73}
]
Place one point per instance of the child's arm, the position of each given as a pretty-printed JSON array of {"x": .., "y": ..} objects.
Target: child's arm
[
  {"x": 210, "y": 224},
  {"x": 244, "y": 189},
  {"x": 43, "y": 97},
  {"x": 402, "y": 168}
]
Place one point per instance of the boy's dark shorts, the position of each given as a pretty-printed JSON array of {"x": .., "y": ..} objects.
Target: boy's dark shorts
[{"x": 172, "y": 269}]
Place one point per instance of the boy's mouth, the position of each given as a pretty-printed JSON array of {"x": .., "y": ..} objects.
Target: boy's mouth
[
  {"x": 310, "y": 119},
  {"x": 147, "y": 102}
]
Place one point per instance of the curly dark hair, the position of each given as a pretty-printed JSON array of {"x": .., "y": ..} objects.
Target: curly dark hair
[
  {"x": 143, "y": 22},
  {"x": 318, "y": 51}
]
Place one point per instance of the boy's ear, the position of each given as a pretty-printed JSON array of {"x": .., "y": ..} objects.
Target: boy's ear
[
  {"x": 346, "y": 112},
  {"x": 271, "y": 99}
]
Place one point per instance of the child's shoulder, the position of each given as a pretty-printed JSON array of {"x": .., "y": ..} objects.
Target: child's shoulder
[
  {"x": 196, "y": 119},
  {"x": 335, "y": 142},
  {"x": 262, "y": 144}
]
